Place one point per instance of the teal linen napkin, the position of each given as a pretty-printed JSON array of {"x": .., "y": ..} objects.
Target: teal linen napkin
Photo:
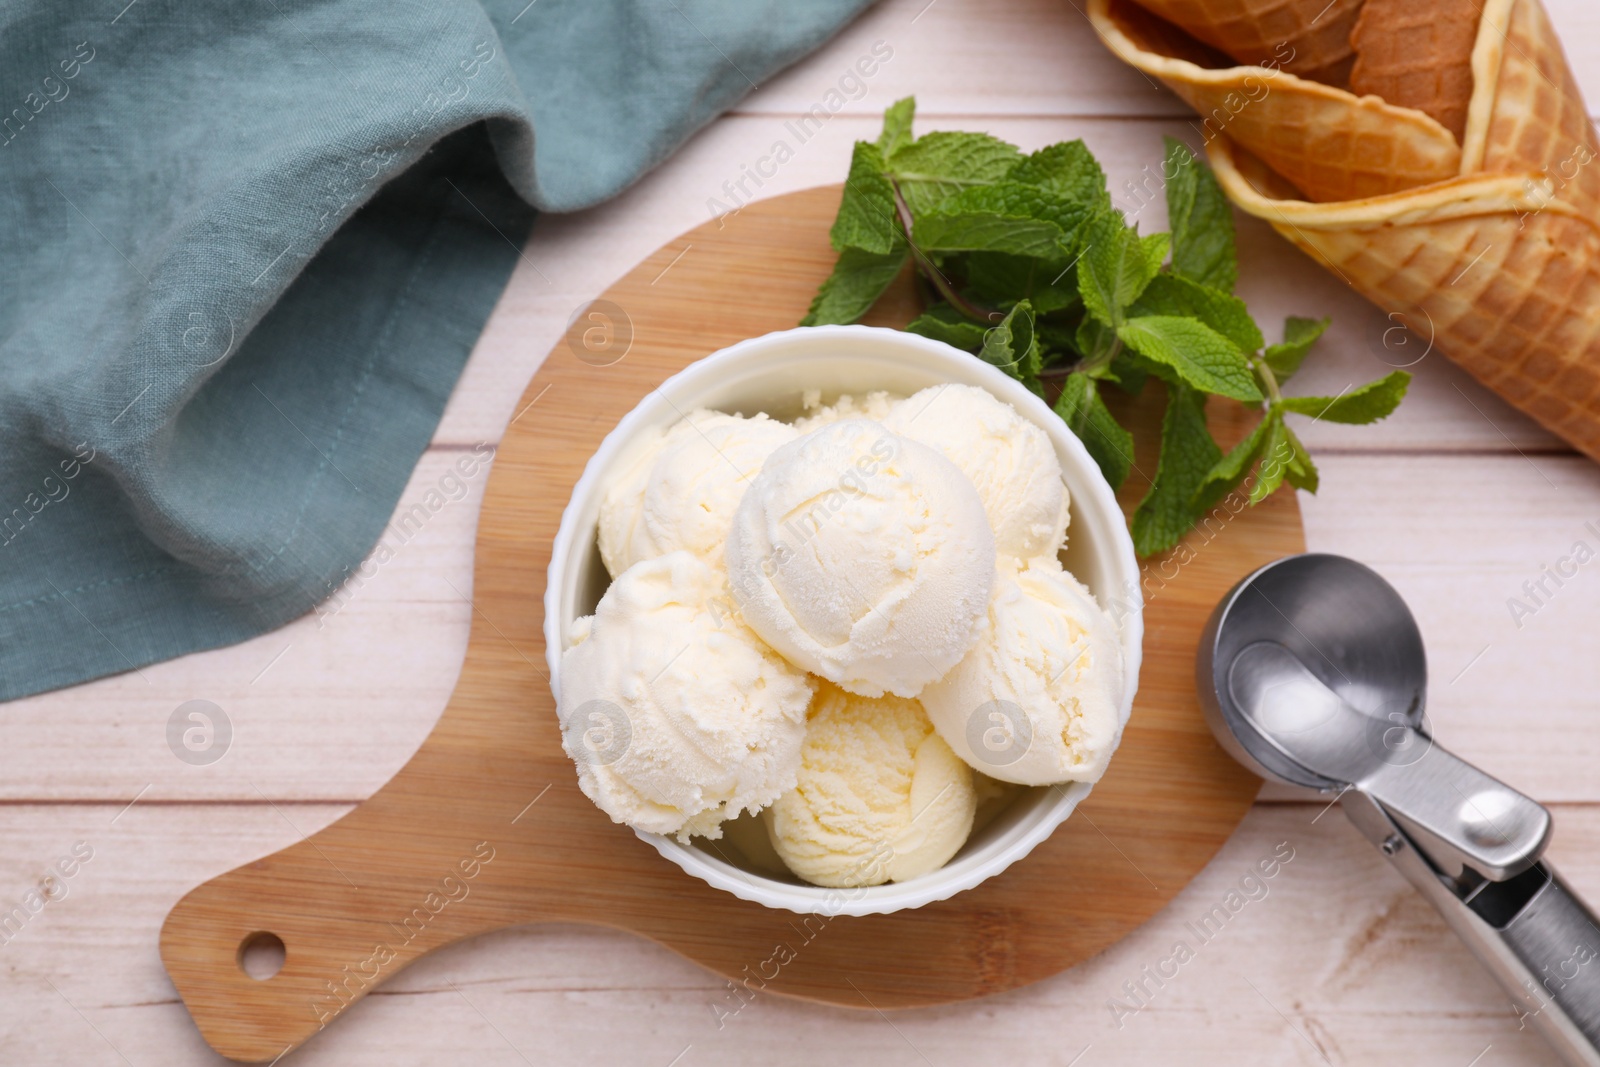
[{"x": 247, "y": 249}]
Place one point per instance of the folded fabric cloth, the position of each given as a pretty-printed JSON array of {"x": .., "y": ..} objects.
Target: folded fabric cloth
[{"x": 247, "y": 250}]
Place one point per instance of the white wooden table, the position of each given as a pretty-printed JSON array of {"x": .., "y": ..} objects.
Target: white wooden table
[{"x": 1456, "y": 499}]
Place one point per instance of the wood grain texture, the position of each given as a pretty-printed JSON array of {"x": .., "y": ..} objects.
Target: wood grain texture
[
  {"x": 1342, "y": 946},
  {"x": 485, "y": 826}
]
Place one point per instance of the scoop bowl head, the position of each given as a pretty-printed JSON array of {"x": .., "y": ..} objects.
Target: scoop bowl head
[{"x": 1343, "y": 622}]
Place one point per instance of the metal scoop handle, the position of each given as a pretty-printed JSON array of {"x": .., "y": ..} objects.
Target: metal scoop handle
[
  {"x": 1531, "y": 932},
  {"x": 1458, "y": 815}
]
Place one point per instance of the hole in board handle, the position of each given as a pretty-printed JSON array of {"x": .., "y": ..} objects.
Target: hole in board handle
[{"x": 261, "y": 955}]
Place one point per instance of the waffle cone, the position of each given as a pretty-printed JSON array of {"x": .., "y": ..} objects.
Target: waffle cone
[
  {"x": 1329, "y": 144},
  {"x": 1496, "y": 263},
  {"x": 1418, "y": 54},
  {"x": 1307, "y": 37}
]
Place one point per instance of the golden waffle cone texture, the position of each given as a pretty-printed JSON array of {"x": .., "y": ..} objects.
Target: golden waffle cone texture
[
  {"x": 1496, "y": 263},
  {"x": 1537, "y": 118},
  {"x": 1418, "y": 54},
  {"x": 1302, "y": 35},
  {"x": 1331, "y": 145}
]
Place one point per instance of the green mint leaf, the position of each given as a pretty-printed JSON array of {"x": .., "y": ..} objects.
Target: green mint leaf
[
  {"x": 1187, "y": 455},
  {"x": 867, "y": 218},
  {"x": 1300, "y": 472},
  {"x": 1095, "y": 340},
  {"x": 1116, "y": 265},
  {"x": 1298, "y": 337},
  {"x": 940, "y": 164},
  {"x": 1058, "y": 339},
  {"x": 1129, "y": 372},
  {"x": 1085, "y": 413},
  {"x": 1201, "y": 356},
  {"x": 1153, "y": 250},
  {"x": 1201, "y": 220},
  {"x": 1066, "y": 171},
  {"x": 1371, "y": 402},
  {"x": 1053, "y": 224},
  {"x": 944, "y": 323},
  {"x": 1012, "y": 346},
  {"x": 897, "y": 126},
  {"x": 1276, "y": 454},
  {"x": 858, "y": 279},
  {"x": 1231, "y": 469},
  {"x": 950, "y": 229},
  {"x": 998, "y": 278},
  {"x": 1067, "y": 186},
  {"x": 1171, "y": 294}
]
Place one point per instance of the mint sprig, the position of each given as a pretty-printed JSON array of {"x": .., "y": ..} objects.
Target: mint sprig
[{"x": 1026, "y": 264}]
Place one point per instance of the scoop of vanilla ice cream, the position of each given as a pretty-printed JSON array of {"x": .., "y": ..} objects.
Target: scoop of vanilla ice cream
[
  {"x": 875, "y": 406},
  {"x": 879, "y": 797},
  {"x": 622, "y": 501},
  {"x": 677, "y": 716},
  {"x": 1009, "y": 460},
  {"x": 681, "y": 489},
  {"x": 863, "y": 557},
  {"x": 1038, "y": 699}
]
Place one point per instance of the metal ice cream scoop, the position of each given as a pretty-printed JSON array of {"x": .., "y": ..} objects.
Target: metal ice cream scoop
[{"x": 1312, "y": 673}]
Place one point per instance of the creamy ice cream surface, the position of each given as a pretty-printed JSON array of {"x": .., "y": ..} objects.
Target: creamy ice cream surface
[
  {"x": 874, "y": 405},
  {"x": 1009, "y": 460},
  {"x": 879, "y": 798},
  {"x": 677, "y": 716},
  {"x": 681, "y": 490},
  {"x": 863, "y": 557},
  {"x": 846, "y": 644},
  {"x": 1038, "y": 698},
  {"x": 622, "y": 502}
]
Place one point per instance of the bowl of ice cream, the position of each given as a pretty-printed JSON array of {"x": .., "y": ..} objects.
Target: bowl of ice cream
[{"x": 842, "y": 620}]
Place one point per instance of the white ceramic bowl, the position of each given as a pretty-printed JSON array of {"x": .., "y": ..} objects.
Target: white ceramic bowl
[{"x": 768, "y": 374}]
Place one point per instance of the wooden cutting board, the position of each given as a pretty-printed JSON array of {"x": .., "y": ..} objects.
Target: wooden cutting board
[{"x": 485, "y": 826}]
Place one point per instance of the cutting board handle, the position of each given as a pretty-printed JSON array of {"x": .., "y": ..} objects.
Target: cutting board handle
[{"x": 406, "y": 872}]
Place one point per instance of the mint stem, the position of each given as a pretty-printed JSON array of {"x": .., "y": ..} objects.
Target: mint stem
[
  {"x": 1086, "y": 365},
  {"x": 1270, "y": 380},
  {"x": 932, "y": 272}
]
